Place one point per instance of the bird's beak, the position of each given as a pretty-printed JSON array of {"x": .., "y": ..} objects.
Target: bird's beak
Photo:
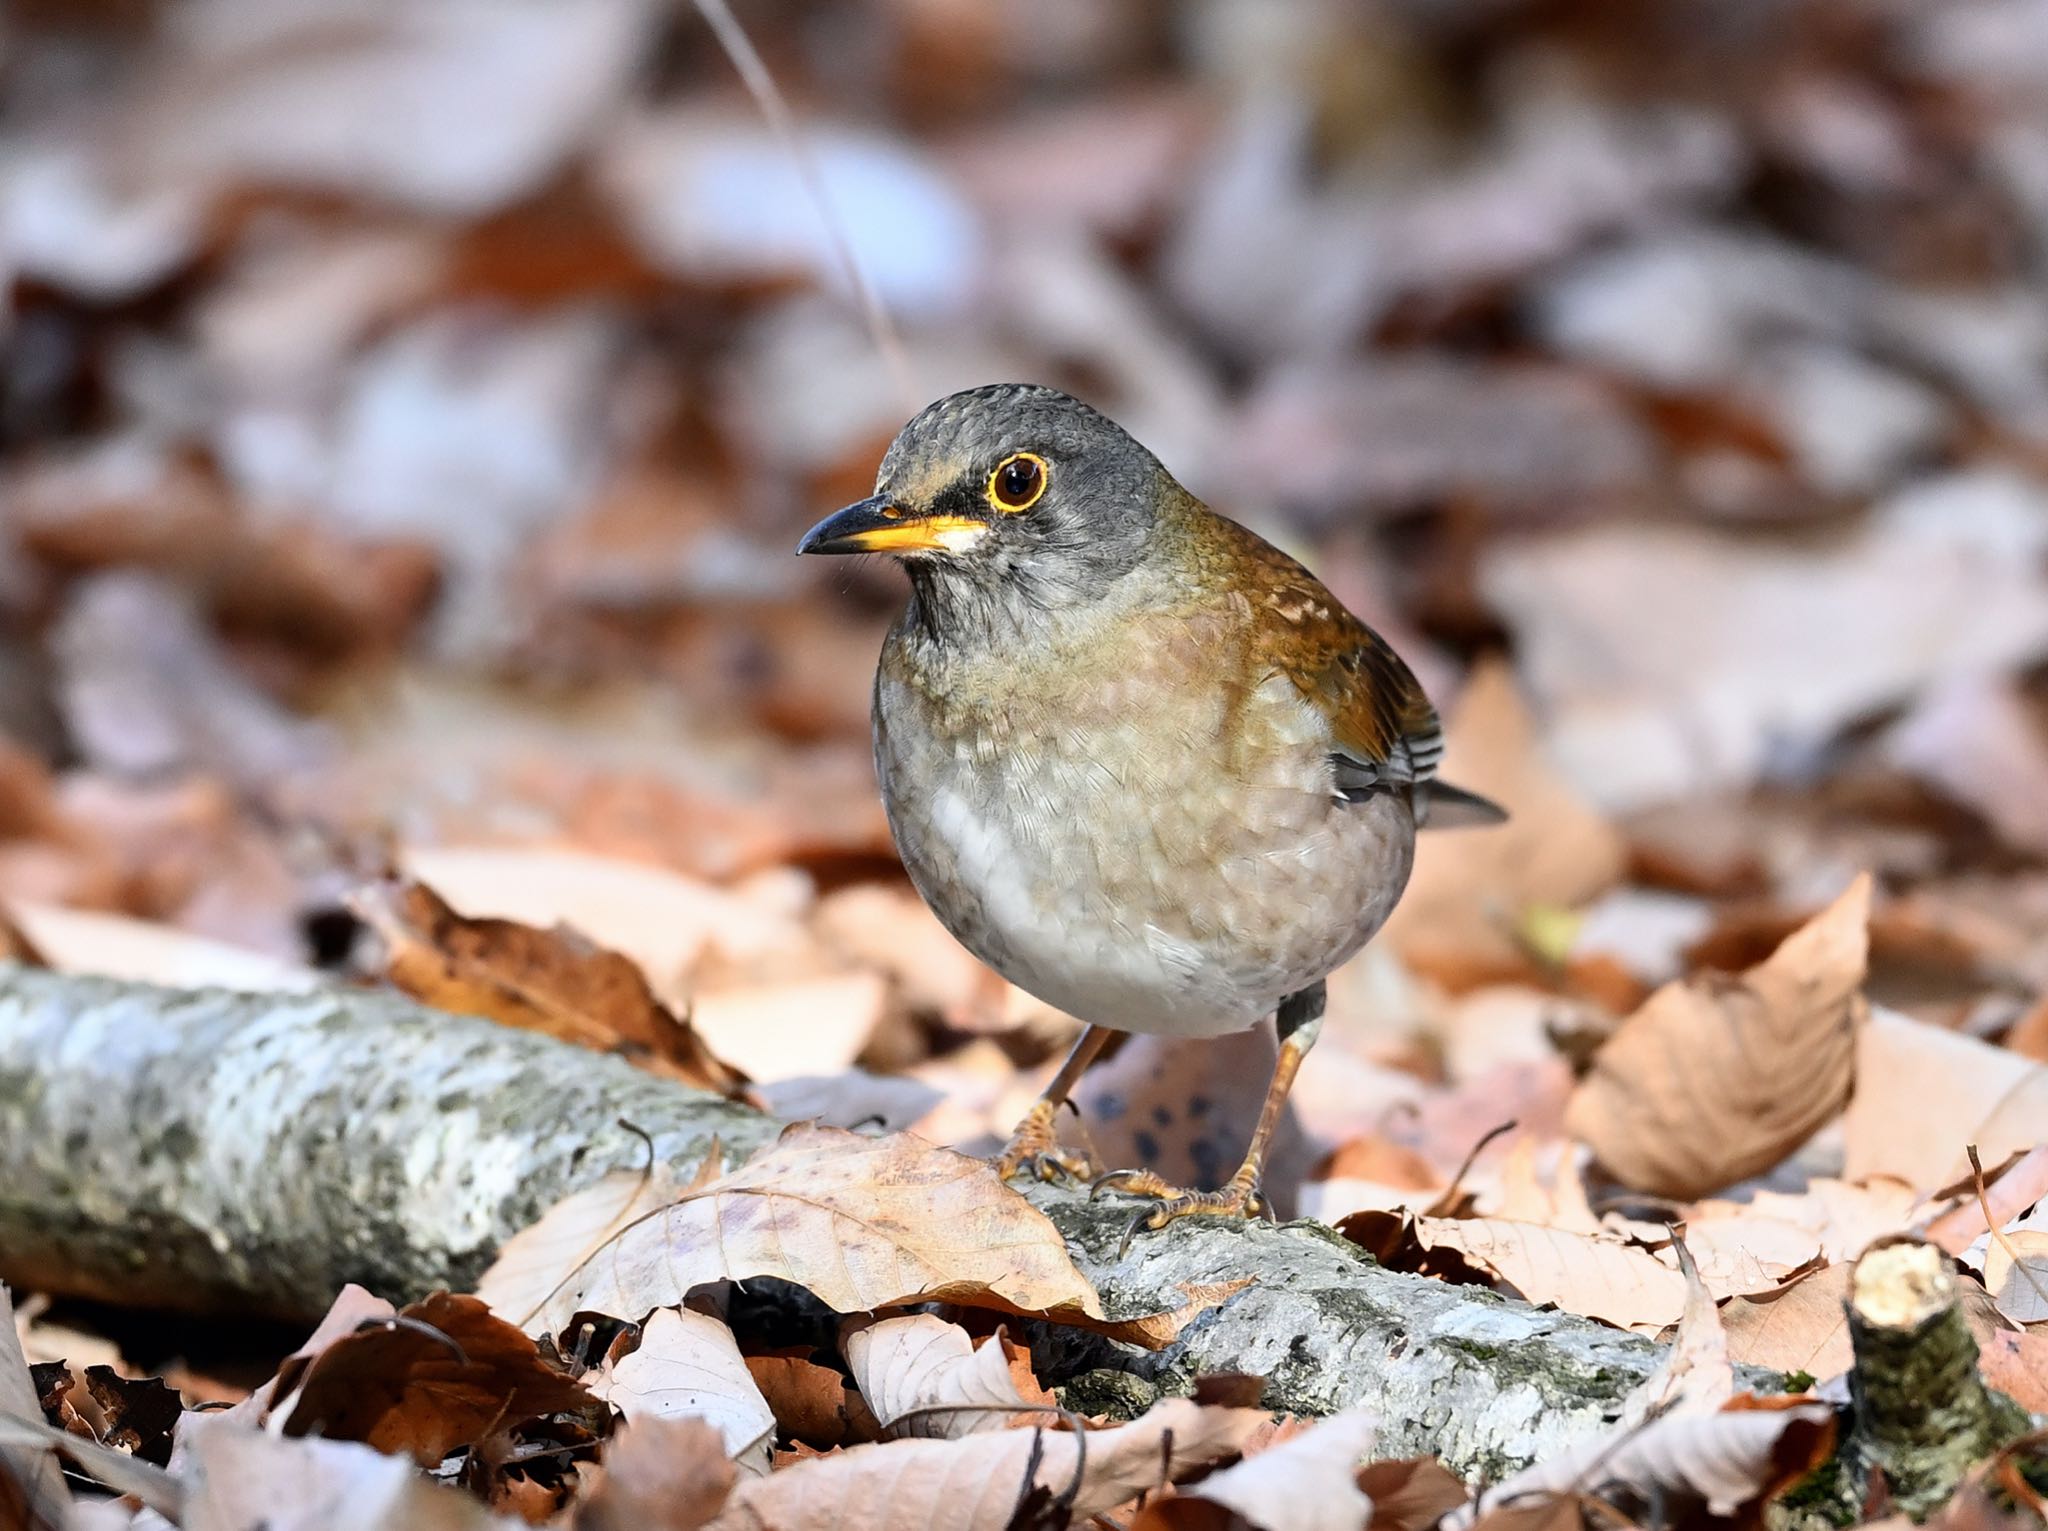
[{"x": 877, "y": 525}]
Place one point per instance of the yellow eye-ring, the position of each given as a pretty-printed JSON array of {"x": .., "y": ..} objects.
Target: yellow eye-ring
[{"x": 1018, "y": 482}]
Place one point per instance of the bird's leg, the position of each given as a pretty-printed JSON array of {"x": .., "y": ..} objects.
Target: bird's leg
[
  {"x": 1299, "y": 1020},
  {"x": 1034, "y": 1147}
]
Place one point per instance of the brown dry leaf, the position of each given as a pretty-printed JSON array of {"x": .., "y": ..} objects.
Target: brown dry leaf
[
  {"x": 1716, "y": 1079},
  {"x": 2016, "y": 1363},
  {"x": 689, "y": 1366},
  {"x": 667, "y": 924},
  {"x": 114, "y": 1470},
  {"x": 2016, "y": 1274},
  {"x": 990, "y": 1482},
  {"x": 1842, "y": 1216},
  {"x": 659, "y": 1475},
  {"x": 15, "y": 946},
  {"x": 556, "y": 982},
  {"x": 887, "y": 927},
  {"x": 813, "y": 1404},
  {"x": 1410, "y": 1494},
  {"x": 1981, "y": 741},
  {"x": 924, "y": 1377},
  {"x": 1801, "y": 1327},
  {"x": 139, "y": 1413},
  {"x": 796, "y": 1026},
  {"x": 354, "y": 1308},
  {"x": 539, "y": 1258},
  {"x": 863, "y": 1223},
  {"x": 1738, "y": 1255},
  {"x": 1532, "y": 1191},
  {"x": 1695, "y": 1376},
  {"x": 441, "y": 1374},
  {"x": 1468, "y": 892},
  {"x": 105, "y": 945},
  {"x": 1923, "y": 1095},
  {"x": 1724, "y": 1462},
  {"x": 2011, "y": 1191},
  {"x": 32, "y": 1492},
  {"x": 1598, "y": 1277},
  {"x": 1308, "y": 1482},
  {"x": 249, "y": 1478}
]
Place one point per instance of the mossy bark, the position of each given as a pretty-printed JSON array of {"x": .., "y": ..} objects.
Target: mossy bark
[
  {"x": 241, "y": 1153},
  {"x": 1922, "y": 1414}
]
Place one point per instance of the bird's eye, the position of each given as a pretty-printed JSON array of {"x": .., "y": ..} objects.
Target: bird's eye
[{"x": 1017, "y": 482}]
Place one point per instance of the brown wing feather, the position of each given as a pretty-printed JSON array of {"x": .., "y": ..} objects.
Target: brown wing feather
[{"x": 1379, "y": 715}]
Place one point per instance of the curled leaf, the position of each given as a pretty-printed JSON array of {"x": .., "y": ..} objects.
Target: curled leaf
[{"x": 864, "y": 1224}]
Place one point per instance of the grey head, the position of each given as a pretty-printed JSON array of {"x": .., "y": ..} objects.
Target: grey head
[{"x": 1008, "y": 504}]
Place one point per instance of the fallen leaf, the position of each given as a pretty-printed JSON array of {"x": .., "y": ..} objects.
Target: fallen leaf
[
  {"x": 688, "y": 1365},
  {"x": 1469, "y": 890},
  {"x": 659, "y": 1475},
  {"x": 354, "y": 1308},
  {"x": 248, "y": 1478},
  {"x": 2016, "y": 1274},
  {"x": 32, "y": 1492},
  {"x": 556, "y": 982},
  {"x": 538, "y": 1259},
  {"x": 1923, "y": 1095},
  {"x": 140, "y": 1412},
  {"x": 1695, "y": 1376},
  {"x": 1714, "y": 1079},
  {"x": 852, "y": 1097},
  {"x": 1801, "y": 1327},
  {"x": 112, "y": 1469},
  {"x": 1841, "y": 1215},
  {"x": 106, "y": 945},
  {"x": 1743, "y": 1254},
  {"x": 864, "y": 1224},
  {"x": 993, "y": 1481},
  {"x": 1308, "y": 1482},
  {"x": 1532, "y": 1191},
  {"x": 665, "y": 923},
  {"x": 887, "y": 927},
  {"x": 792, "y": 1026},
  {"x": 1724, "y": 1462},
  {"x": 814, "y": 1405},
  {"x": 440, "y": 1374},
  {"x": 1979, "y": 740},
  {"x": 1599, "y": 1277},
  {"x": 2010, "y": 1193},
  {"x": 924, "y": 1377},
  {"x": 1670, "y": 658},
  {"x": 2016, "y": 1363},
  {"x": 1411, "y": 1494},
  {"x": 148, "y": 689}
]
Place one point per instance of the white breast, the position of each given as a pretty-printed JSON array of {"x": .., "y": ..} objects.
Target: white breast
[{"x": 1181, "y": 891}]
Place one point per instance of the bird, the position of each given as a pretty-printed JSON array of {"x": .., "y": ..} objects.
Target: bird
[{"x": 1135, "y": 758}]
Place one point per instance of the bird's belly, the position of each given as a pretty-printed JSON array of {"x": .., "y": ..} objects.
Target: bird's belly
[{"x": 1141, "y": 894}]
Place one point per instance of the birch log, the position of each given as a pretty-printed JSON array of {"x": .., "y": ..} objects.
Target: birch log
[{"x": 235, "y": 1152}]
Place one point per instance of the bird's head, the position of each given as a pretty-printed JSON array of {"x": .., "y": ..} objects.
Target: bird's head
[{"x": 1006, "y": 498}]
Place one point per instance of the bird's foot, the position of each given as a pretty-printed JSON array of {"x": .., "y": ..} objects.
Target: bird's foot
[
  {"x": 1241, "y": 1197},
  {"x": 1034, "y": 1151}
]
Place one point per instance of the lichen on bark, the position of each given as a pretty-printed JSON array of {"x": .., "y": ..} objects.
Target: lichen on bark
[{"x": 254, "y": 1152}]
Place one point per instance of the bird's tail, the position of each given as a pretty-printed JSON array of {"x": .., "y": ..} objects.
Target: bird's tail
[{"x": 1439, "y": 805}]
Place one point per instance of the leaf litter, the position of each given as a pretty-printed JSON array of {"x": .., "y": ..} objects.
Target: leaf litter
[{"x": 383, "y": 482}]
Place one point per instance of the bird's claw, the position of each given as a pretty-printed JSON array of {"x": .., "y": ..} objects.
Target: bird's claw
[
  {"x": 1048, "y": 1164},
  {"x": 1032, "y": 1152},
  {"x": 1240, "y": 1198}
]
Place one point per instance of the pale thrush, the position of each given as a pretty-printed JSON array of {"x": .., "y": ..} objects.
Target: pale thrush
[{"x": 1137, "y": 760}]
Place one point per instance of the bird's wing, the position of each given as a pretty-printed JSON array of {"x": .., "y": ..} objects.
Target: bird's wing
[{"x": 1384, "y": 733}]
